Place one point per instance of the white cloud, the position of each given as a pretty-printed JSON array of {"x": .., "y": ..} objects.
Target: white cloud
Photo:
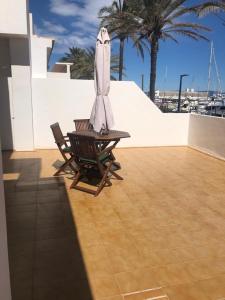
[
  {"x": 83, "y": 27},
  {"x": 64, "y": 40},
  {"x": 54, "y": 28},
  {"x": 63, "y": 43},
  {"x": 63, "y": 7},
  {"x": 88, "y": 13}
]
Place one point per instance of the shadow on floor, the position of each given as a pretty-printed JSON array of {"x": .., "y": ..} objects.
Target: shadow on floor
[
  {"x": 58, "y": 163},
  {"x": 44, "y": 253}
]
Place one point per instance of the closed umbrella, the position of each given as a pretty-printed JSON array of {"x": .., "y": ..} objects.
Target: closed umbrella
[{"x": 101, "y": 115}]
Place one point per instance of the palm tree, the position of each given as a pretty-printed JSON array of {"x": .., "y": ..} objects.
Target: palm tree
[
  {"x": 83, "y": 63},
  {"x": 114, "y": 17},
  {"x": 161, "y": 20},
  {"x": 74, "y": 54}
]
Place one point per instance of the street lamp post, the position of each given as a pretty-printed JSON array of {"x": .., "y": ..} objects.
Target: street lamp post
[
  {"x": 180, "y": 88},
  {"x": 142, "y": 82}
]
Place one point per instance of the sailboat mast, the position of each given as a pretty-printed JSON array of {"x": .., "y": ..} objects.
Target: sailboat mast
[
  {"x": 211, "y": 61},
  {"x": 210, "y": 67},
  {"x": 217, "y": 72}
]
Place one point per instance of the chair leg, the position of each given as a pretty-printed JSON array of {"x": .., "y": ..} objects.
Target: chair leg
[
  {"x": 66, "y": 164},
  {"x": 61, "y": 169},
  {"x": 76, "y": 179},
  {"x": 116, "y": 175},
  {"x": 71, "y": 165},
  {"x": 104, "y": 178}
]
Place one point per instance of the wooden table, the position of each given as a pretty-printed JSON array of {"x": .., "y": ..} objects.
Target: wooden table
[{"x": 113, "y": 135}]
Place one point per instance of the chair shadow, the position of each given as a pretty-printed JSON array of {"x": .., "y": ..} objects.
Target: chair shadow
[
  {"x": 58, "y": 163},
  {"x": 45, "y": 257}
]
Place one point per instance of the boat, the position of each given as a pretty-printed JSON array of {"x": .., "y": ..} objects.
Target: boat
[{"x": 216, "y": 107}]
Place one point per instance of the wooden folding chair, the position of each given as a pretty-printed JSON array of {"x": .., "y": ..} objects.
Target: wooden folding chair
[
  {"x": 64, "y": 148},
  {"x": 82, "y": 124},
  {"x": 87, "y": 155}
]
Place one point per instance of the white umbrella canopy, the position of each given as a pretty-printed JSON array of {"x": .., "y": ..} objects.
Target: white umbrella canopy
[{"x": 101, "y": 115}]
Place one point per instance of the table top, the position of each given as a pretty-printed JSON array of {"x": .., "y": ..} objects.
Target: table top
[{"x": 112, "y": 135}]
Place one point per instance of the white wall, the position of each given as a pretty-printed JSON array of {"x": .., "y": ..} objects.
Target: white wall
[
  {"x": 21, "y": 102},
  {"x": 16, "y": 117},
  {"x": 39, "y": 57},
  {"x": 5, "y": 292},
  {"x": 64, "y": 100},
  {"x": 206, "y": 133},
  {"x": 58, "y": 75},
  {"x": 13, "y": 17}
]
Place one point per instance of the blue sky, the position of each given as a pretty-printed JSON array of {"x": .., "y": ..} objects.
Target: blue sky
[{"x": 75, "y": 23}]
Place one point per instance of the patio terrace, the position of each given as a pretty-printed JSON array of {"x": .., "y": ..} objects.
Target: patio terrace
[{"x": 161, "y": 229}]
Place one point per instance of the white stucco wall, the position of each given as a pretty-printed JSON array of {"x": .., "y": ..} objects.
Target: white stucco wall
[
  {"x": 59, "y": 100},
  {"x": 5, "y": 291},
  {"x": 16, "y": 119},
  {"x": 206, "y": 133},
  {"x": 58, "y": 75},
  {"x": 13, "y": 17},
  {"x": 39, "y": 48},
  {"x": 20, "y": 98}
]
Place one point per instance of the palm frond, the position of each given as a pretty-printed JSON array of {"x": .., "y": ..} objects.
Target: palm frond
[
  {"x": 140, "y": 44},
  {"x": 209, "y": 7},
  {"x": 172, "y": 7},
  {"x": 195, "y": 26},
  {"x": 168, "y": 36},
  {"x": 189, "y": 33}
]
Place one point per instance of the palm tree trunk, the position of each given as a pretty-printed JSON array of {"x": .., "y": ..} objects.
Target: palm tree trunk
[
  {"x": 121, "y": 59},
  {"x": 120, "y": 4},
  {"x": 154, "y": 52}
]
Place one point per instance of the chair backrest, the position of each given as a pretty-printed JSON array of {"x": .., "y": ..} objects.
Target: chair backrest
[
  {"x": 83, "y": 146},
  {"x": 82, "y": 124},
  {"x": 57, "y": 133}
]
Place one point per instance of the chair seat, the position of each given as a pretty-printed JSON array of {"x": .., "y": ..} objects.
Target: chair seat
[{"x": 103, "y": 158}]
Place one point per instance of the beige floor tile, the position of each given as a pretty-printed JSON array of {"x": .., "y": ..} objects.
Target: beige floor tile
[
  {"x": 172, "y": 274},
  {"x": 136, "y": 280},
  {"x": 104, "y": 287},
  {"x": 185, "y": 292},
  {"x": 200, "y": 270},
  {"x": 213, "y": 287}
]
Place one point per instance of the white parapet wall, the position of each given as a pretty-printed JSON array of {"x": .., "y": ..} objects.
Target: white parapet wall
[
  {"x": 206, "y": 133},
  {"x": 63, "y": 100}
]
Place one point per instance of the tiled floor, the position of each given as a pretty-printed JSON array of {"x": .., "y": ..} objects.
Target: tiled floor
[{"x": 161, "y": 230}]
